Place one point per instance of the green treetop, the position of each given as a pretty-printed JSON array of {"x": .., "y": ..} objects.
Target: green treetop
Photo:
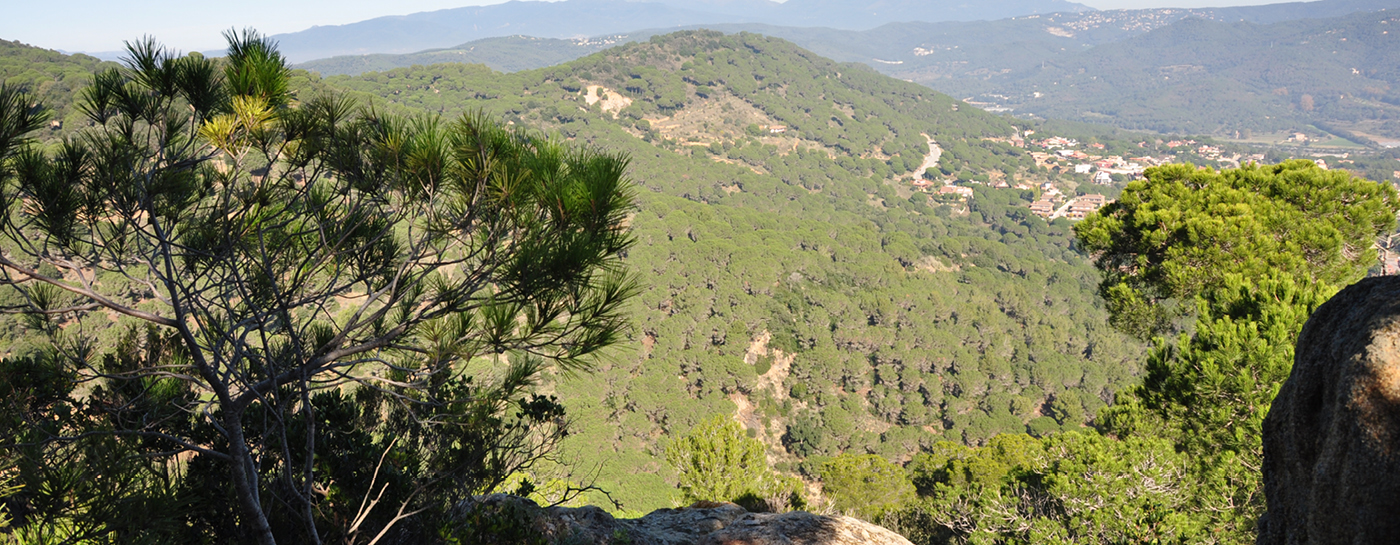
[
  {"x": 865, "y": 485},
  {"x": 716, "y": 461},
  {"x": 1180, "y": 232}
]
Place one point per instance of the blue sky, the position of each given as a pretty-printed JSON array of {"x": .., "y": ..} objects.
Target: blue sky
[{"x": 102, "y": 25}]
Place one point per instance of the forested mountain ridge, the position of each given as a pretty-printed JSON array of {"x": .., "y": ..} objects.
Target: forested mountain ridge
[{"x": 789, "y": 280}]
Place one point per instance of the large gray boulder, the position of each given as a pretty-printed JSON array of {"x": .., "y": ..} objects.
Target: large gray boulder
[
  {"x": 1332, "y": 436},
  {"x": 699, "y": 524}
]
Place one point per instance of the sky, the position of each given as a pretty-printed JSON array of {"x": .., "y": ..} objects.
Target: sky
[{"x": 189, "y": 25}]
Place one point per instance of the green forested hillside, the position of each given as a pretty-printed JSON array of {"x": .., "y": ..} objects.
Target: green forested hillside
[
  {"x": 52, "y": 77},
  {"x": 788, "y": 280}
]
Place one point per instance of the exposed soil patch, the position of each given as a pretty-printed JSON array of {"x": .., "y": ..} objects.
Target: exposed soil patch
[{"x": 613, "y": 101}]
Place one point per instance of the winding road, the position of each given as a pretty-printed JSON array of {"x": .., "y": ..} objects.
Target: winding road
[{"x": 931, "y": 160}]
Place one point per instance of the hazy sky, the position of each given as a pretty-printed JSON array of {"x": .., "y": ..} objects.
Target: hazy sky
[{"x": 102, "y": 25}]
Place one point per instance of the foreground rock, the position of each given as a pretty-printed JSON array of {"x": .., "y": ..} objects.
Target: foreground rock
[
  {"x": 700, "y": 524},
  {"x": 1332, "y": 437}
]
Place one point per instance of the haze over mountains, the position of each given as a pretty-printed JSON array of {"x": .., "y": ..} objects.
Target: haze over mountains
[
  {"x": 1202, "y": 76},
  {"x": 581, "y": 18}
]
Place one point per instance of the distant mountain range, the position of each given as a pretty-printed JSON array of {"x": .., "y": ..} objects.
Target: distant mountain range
[
  {"x": 581, "y": 18},
  {"x": 1223, "y": 71}
]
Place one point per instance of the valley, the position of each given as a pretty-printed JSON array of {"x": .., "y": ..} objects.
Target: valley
[{"x": 901, "y": 324}]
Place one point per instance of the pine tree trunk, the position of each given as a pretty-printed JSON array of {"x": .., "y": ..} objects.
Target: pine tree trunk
[{"x": 245, "y": 481}]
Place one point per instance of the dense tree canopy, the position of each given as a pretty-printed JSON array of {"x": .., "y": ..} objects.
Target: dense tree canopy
[{"x": 1181, "y": 232}]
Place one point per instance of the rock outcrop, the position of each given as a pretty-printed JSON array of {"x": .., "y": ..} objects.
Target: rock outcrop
[
  {"x": 1332, "y": 436},
  {"x": 699, "y": 524}
]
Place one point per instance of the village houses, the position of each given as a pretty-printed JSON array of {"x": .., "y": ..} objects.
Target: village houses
[
  {"x": 1076, "y": 209},
  {"x": 1058, "y": 142},
  {"x": 964, "y": 192},
  {"x": 1043, "y": 208},
  {"x": 1084, "y": 205}
]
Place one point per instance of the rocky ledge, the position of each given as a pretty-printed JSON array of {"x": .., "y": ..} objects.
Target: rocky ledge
[
  {"x": 1332, "y": 437},
  {"x": 699, "y": 524}
]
